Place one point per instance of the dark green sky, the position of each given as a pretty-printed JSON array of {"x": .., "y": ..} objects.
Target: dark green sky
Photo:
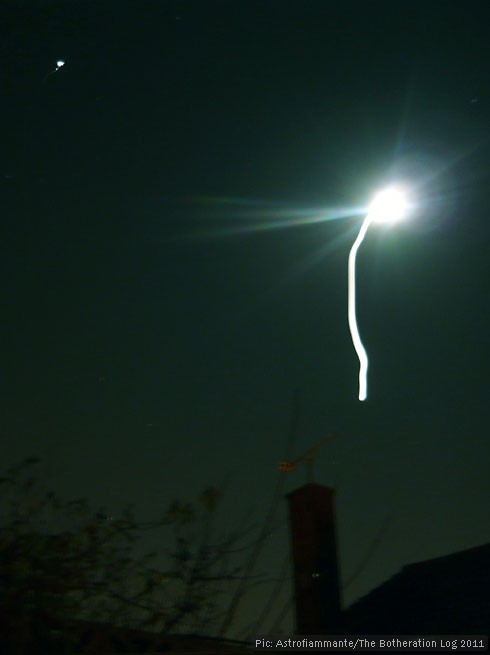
[{"x": 144, "y": 356}]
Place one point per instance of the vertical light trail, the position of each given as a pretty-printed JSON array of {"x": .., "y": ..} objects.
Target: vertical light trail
[{"x": 356, "y": 339}]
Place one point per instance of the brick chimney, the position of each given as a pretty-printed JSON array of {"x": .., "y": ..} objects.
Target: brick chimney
[{"x": 314, "y": 550}]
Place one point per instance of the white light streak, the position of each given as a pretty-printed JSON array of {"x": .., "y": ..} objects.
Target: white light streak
[
  {"x": 388, "y": 206},
  {"x": 356, "y": 339}
]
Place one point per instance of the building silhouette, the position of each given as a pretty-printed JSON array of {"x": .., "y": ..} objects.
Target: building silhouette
[{"x": 445, "y": 595}]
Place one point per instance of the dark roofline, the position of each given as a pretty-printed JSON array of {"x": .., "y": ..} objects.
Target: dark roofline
[
  {"x": 444, "y": 593},
  {"x": 473, "y": 553},
  {"x": 473, "y": 556}
]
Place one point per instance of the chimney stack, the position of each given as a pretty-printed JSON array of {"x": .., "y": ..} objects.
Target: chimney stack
[{"x": 316, "y": 576}]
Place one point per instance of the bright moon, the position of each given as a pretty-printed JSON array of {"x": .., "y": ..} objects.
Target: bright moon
[{"x": 388, "y": 206}]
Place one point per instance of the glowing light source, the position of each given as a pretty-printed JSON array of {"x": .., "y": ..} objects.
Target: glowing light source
[
  {"x": 59, "y": 64},
  {"x": 389, "y": 205}
]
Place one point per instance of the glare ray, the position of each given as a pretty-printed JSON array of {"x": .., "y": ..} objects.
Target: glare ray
[{"x": 261, "y": 216}]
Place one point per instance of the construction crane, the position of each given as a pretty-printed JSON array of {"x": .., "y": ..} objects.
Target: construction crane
[{"x": 306, "y": 458}]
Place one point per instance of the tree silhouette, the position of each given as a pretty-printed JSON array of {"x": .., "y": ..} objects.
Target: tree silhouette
[{"x": 61, "y": 561}]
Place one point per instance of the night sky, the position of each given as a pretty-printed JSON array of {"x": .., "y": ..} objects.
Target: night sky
[{"x": 172, "y": 278}]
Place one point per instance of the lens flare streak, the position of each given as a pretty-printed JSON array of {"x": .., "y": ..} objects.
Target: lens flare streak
[
  {"x": 356, "y": 339},
  {"x": 257, "y": 215}
]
